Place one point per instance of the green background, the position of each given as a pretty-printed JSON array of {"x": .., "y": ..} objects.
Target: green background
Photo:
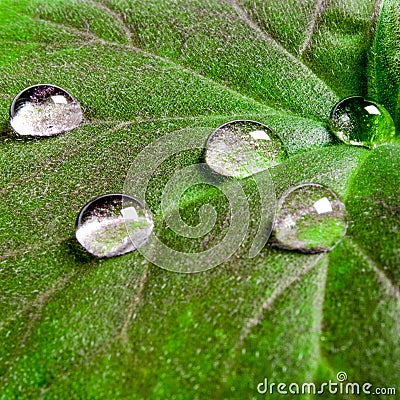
[{"x": 79, "y": 328}]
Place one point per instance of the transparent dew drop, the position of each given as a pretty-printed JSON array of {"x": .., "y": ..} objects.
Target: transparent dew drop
[
  {"x": 44, "y": 110},
  {"x": 242, "y": 148},
  {"x": 310, "y": 219},
  {"x": 103, "y": 224},
  {"x": 361, "y": 122}
]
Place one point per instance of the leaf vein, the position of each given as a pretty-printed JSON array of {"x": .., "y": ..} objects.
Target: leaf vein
[
  {"x": 269, "y": 39},
  {"x": 390, "y": 287},
  {"x": 119, "y": 125},
  {"x": 123, "y": 335},
  {"x": 149, "y": 54},
  {"x": 141, "y": 283},
  {"x": 319, "y": 9},
  {"x": 117, "y": 16},
  {"x": 267, "y": 305},
  {"x": 40, "y": 302},
  {"x": 36, "y": 301}
]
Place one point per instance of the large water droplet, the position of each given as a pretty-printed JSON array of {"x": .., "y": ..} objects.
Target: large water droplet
[
  {"x": 103, "y": 224},
  {"x": 242, "y": 148},
  {"x": 361, "y": 122},
  {"x": 310, "y": 219},
  {"x": 44, "y": 110}
]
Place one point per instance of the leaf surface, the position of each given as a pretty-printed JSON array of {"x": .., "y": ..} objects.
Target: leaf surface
[{"x": 73, "y": 326}]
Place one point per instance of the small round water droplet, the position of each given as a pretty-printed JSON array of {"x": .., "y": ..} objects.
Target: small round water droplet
[
  {"x": 242, "y": 148},
  {"x": 103, "y": 223},
  {"x": 44, "y": 110},
  {"x": 310, "y": 219},
  {"x": 361, "y": 122}
]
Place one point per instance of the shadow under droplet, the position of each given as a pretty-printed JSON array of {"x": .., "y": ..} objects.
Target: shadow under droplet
[
  {"x": 6, "y": 132},
  {"x": 210, "y": 176},
  {"x": 75, "y": 250}
]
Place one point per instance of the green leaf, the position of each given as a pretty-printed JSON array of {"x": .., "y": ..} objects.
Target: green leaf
[
  {"x": 72, "y": 326},
  {"x": 386, "y": 52}
]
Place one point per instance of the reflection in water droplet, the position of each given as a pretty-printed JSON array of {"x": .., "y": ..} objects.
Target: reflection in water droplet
[
  {"x": 242, "y": 148},
  {"x": 44, "y": 110},
  {"x": 103, "y": 224},
  {"x": 310, "y": 219},
  {"x": 360, "y": 122}
]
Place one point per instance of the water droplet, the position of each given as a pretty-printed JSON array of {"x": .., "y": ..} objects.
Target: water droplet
[
  {"x": 361, "y": 122},
  {"x": 310, "y": 219},
  {"x": 44, "y": 110},
  {"x": 242, "y": 148},
  {"x": 103, "y": 223}
]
